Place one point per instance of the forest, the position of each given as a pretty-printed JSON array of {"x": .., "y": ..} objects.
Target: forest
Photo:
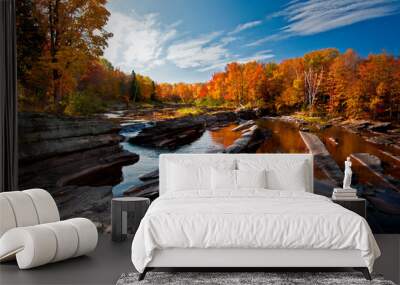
[{"x": 61, "y": 70}]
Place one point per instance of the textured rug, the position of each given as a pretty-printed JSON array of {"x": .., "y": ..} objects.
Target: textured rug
[{"x": 243, "y": 278}]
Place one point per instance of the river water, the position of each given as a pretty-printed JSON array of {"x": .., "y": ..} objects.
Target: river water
[{"x": 285, "y": 138}]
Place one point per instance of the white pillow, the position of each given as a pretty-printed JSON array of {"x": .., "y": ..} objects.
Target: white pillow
[
  {"x": 290, "y": 175},
  {"x": 186, "y": 174},
  {"x": 291, "y": 179},
  {"x": 251, "y": 179},
  {"x": 183, "y": 178},
  {"x": 223, "y": 179},
  {"x": 226, "y": 179}
]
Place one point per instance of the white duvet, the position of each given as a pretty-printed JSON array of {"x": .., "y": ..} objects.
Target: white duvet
[{"x": 250, "y": 219}]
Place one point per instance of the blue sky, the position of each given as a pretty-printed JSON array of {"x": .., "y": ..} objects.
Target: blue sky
[{"x": 189, "y": 40}]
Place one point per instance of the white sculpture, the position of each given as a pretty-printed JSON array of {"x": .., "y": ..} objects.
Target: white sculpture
[{"x": 347, "y": 174}]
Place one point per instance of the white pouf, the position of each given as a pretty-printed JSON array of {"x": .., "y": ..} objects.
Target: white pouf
[{"x": 31, "y": 230}]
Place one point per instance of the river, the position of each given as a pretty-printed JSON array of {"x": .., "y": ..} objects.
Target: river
[
  {"x": 210, "y": 141},
  {"x": 285, "y": 138}
]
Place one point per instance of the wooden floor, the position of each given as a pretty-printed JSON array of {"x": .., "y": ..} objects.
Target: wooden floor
[
  {"x": 103, "y": 266},
  {"x": 106, "y": 264}
]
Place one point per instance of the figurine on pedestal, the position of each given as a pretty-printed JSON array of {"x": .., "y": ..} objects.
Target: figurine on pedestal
[{"x": 347, "y": 174}]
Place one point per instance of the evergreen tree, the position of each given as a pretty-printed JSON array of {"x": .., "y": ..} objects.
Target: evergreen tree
[
  {"x": 135, "y": 88},
  {"x": 153, "y": 94}
]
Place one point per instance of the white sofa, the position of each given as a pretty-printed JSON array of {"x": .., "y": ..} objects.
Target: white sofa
[{"x": 31, "y": 231}]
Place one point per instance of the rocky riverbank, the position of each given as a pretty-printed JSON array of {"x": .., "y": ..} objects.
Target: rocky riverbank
[
  {"x": 174, "y": 133},
  {"x": 76, "y": 159},
  {"x": 381, "y": 133}
]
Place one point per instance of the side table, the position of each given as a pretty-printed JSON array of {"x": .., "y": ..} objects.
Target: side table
[
  {"x": 120, "y": 207},
  {"x": 357, "y": 205}
]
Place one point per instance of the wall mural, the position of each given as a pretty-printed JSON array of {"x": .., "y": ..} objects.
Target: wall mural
[{"x": 104, "y": 88}]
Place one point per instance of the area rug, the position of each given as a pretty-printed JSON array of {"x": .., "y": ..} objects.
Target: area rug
[{"x": 243, "y": 278}]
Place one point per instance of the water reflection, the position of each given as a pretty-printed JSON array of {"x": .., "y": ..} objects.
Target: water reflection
[
  {"x": 225, "y": 136},
  {"x": 348, "y": 143},
  {"x": 285, "y": 138}
]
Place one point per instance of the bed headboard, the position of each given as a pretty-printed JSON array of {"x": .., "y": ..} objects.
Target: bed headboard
[{"x": 210, "y": 157}]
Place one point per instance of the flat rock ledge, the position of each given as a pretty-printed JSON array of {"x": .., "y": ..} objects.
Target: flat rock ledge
[
  {"x": 374, "y": 165},
  {"x": 76, "y": 159},
  {"x": 322, "y": 158},
  {"x": 250, "y": 141},
  {"x": 174, "y": 133}
]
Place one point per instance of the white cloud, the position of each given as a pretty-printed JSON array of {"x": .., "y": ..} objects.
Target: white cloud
[
  {"x": 316, "y": 16},
  {"x": 258, "y": 56},
  {"x": 138, "y": 41},
  {"x": 245, "y": 26},
  {"x": 143, "y": 43},
  {"x": 201, "y": 51}
]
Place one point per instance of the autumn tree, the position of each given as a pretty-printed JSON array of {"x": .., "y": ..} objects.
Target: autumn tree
[
  {"x": 316, "y": 67},
  {"x": 342, "y": 81},
  {"x": 286, "y": 83},
  {"x": 75, "y": 34},
  {"x": 378, "y": 74},
  {"x": 235, "y": 83}
]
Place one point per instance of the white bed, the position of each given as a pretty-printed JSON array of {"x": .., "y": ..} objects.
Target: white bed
[{"x": 250, "y": 227}]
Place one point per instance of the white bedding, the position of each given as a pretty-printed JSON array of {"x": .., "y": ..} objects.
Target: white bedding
[{"x": 255, "y": 218}]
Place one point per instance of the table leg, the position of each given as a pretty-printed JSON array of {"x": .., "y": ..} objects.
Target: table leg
[{"x": 116, "y": 221}]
